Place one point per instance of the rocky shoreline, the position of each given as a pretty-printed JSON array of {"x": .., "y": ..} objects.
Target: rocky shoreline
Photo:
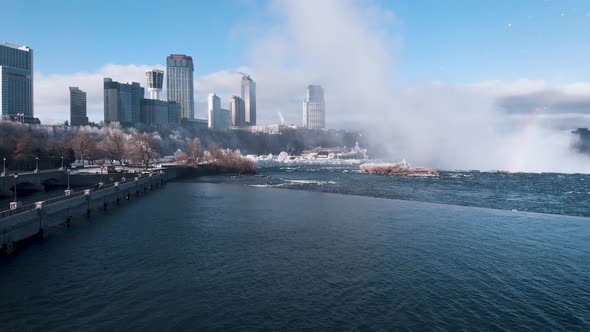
[{"x": 398, "y": 169}]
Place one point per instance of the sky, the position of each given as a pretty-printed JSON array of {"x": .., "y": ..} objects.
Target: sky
[
  {"x": 451, "y": 41},
  {"x": 429, "y": 78}
]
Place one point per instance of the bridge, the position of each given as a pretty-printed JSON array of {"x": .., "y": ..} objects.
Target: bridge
[{"x": 31, "y": 181}]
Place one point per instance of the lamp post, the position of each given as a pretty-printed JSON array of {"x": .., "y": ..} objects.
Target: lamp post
[
  {"x": 62, "y": 163},
  {"x": 4, "y": 171},
  {"x": 15, "y": 177},
  {"x": 36, "y": 164},
  {"x": 68, "y": 179}
]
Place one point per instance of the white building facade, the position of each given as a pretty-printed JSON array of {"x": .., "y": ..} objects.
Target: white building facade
[
  {"x": 314, "y": 108},
  {"x": 218, "y": 118},
  {"x": 249, "y": 98},
  {"x": 237, "y": 111}
]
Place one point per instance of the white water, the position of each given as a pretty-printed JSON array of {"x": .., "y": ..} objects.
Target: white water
[{"x": 283, "y": 159}]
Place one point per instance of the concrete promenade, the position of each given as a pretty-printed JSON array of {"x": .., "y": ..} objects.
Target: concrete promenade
[
  {"x": 34, "y": 220},
  {"x": 39, "y": 181}
]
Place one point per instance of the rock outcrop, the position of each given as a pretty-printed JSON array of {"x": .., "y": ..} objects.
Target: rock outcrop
[{"x": 398, "y": 169}]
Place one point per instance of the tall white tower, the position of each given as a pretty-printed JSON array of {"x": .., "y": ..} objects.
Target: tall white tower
[
  {"x": 314, "y": 108},
  {"x": 155, "y": 81},
  {"x": 249, "y": 97},
  {"x": 213, "y": 109}
]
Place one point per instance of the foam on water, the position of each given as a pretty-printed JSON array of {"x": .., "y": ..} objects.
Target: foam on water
[
  {"x": 320, "y": 183},
  {"x": 533, "y": 192}
]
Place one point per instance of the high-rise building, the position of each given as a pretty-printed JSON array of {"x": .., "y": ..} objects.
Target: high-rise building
[
  {"x": 214, "y": 105},
  {"x": 122, "y": 102},
  {"x": 237, "y": 110},
  {"x": 158, "y": 112},
  {"x": 314, "y": 108},
  {"x": 218, "y": 117},
  {"x": 155, "y": 81},
  {"x": 249, "y": 97},
  {"x": 179, "y": 83},
  {"x": 78, "y": 115},
  {"x": 223, "y": 119},
  {"x": 16, "y": 80}
]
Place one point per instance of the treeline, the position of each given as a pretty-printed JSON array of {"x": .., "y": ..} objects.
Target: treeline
[
  {"x": 293, "y": 141},
  {"x": 22, "y": 144}
]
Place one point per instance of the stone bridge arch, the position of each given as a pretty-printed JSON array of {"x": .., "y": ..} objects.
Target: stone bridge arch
[
  {"x": 49, "y": 183},
  {"x": 25, "y": 187}
]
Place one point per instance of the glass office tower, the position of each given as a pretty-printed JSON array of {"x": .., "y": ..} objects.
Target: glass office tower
[
  {"x": 314, "y": 108},
  {"x": 179, "y": 83},
  {"x": 16, "y": 80}
]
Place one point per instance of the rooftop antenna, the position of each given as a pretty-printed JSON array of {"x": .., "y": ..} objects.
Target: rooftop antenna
[{"x": 242, "y": 73}]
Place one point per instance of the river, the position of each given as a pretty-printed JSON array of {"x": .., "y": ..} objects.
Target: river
[{"x": 229, "y": 256}]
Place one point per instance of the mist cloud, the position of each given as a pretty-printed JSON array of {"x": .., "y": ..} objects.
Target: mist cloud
[{"x": 548, "y": 101}]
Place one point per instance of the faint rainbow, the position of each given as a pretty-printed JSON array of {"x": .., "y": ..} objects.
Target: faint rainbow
[{"x": 517, "y": 157}]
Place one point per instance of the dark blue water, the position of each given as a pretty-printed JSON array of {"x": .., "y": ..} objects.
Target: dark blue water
[
  {"x": 567, "y": 194},
  {"x": 201, "y": 256}
]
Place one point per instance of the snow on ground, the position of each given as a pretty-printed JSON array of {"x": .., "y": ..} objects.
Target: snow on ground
[{"x": 284, "y": 159}]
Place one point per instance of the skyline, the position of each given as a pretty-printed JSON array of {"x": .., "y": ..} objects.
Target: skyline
[{"x": 423, "y": 48}]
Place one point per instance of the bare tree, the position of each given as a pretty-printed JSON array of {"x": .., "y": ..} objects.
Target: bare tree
[
  {"x": 143, "y": 149},
  {"x": 196, "y": 149},
  {"x": 94, "y": 152},
  {"x": 229, "y": 161},
  {"x": 180, "y": 157},
  {"x": 9, "y": 137},
  {"x": 27, "y": 148},
  {"x": 69, "y": 153},
  {"x": 214, "y": 152},
  {"x": 113, "y": 145},
  {"x": 54, "y": 148},
  {"x": 84, "y": 146},
  {"x": 56, "y": 151}
]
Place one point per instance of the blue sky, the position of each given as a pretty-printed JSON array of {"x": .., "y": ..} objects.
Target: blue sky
[
  {"x": 452, "y": 41},
  {"x": 485, "y": 39}
]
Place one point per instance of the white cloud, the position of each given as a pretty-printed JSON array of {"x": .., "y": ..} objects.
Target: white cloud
[{"x": 52, "y": 94}]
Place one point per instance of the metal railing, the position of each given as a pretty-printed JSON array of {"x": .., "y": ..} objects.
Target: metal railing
[
  {"x": 60, "y": 198},
  {"x": 20, "y": 209},
  {"x": 63, "y": 197}
]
